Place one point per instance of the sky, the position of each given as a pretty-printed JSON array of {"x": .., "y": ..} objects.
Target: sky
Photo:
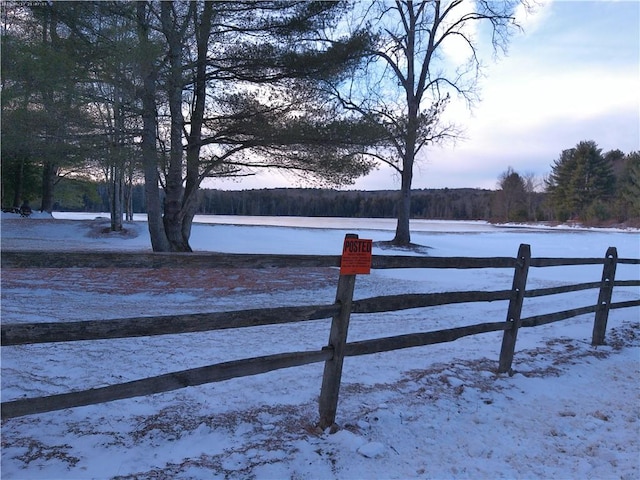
[{"x": 572, "y": 74}]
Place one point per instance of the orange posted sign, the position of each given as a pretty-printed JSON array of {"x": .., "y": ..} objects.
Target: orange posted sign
[{"x": 356, "y": 256}]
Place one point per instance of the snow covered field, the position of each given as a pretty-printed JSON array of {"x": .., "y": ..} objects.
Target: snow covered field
[{"x": 569, "y": 411}]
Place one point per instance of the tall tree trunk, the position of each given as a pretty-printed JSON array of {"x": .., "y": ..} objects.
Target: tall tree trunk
[
  {"x": 403, "y": 232},
  {"x": 117, "y": 165},
  {"x": 194, "y": 140},
  {"x": 50, "y": 169},
  {"x": 173, "y": 212},
  {"x": 159, "y": 240},
  {"x": 128, "y": 195},
  {"x": 49, "y": 175},
  {"x": 18, "y": 186},
  {"x": 116, "y": 198}
]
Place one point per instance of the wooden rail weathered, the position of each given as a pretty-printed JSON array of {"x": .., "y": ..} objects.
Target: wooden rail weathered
[
  {"x": 27, "y": 333},
  {"x": 340, "y": 311},
  {"x": 66, "y": 259}
]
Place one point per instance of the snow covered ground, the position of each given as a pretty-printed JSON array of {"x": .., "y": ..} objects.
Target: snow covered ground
[{"x": 569, "y": 411}]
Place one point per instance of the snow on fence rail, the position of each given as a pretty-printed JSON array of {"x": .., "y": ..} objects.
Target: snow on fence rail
[{"x": 340, "y": 311}]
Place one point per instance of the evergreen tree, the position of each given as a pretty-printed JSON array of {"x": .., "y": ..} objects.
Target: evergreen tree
[
  {"x": 512, "y": 196},
  {"x": 238, "y": 83},
  {"x": 580, "y": 183},
  {"x": 43, "y": 110},
  {"x": 629, "y": 186}
]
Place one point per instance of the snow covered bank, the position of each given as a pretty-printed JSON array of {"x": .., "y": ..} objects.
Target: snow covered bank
[{"x": 570, "y": 411}]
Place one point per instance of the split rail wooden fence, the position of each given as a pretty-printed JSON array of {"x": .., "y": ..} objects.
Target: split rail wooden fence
[{"x": 340, "y": 311}]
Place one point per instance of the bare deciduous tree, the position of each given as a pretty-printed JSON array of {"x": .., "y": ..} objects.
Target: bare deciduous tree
[
  {"x": 412, "y": 75},
  {"x": 511, "y": 195}
]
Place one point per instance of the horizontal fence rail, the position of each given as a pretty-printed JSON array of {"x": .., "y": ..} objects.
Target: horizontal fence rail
[
  {"x": 27, "y": 333},
  {"x": 409, "y": 340},
  {"x": 163, "y": 383},
  {"x": 63, "y": 259},
  {"x": 543, "y": 292},
  {"x": 340, "y": 311},
  {"x": 566, "y": 262},
  {"x": 391, "y": 303}
]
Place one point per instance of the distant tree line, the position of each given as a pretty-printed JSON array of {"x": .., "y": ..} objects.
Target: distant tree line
[
  {"x": 584, "y": 185},
  {"x": 446, "y": 203},
  {"x": 449, "y": 204}
]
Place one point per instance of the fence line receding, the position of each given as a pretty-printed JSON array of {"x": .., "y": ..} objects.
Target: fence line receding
[{"x": 339, "y": 312}]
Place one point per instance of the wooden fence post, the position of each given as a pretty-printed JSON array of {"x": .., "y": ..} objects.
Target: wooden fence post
[
  {"x": 604, "y": 297},
  {"x": 328, "y": 403},
  {"x": 515, "y": 308}
]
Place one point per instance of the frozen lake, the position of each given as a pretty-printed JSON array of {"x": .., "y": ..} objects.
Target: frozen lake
[
  {"x": 340, "y": 223},
  {"x": 324, "y": 236},
  {"x": 312, "y": 222}
]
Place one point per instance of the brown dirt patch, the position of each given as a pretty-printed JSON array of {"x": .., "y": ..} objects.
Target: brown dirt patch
[{"x": 170, "y": 280}]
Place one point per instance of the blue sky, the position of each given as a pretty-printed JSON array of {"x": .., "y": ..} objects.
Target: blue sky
[{"x": 572, "y": 75}]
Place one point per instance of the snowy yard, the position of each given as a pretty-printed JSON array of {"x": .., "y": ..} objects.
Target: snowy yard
[{"x": 569, "y": 411}]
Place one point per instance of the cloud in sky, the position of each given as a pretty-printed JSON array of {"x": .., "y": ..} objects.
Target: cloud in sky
[
  {"x": 531, "y": 15},
  {"x": 573, "y": 75}
]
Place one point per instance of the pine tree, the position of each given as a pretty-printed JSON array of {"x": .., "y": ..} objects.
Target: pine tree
[
  {"x": 580, "y": 183},
  {"x": 629, "y": 186}
]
